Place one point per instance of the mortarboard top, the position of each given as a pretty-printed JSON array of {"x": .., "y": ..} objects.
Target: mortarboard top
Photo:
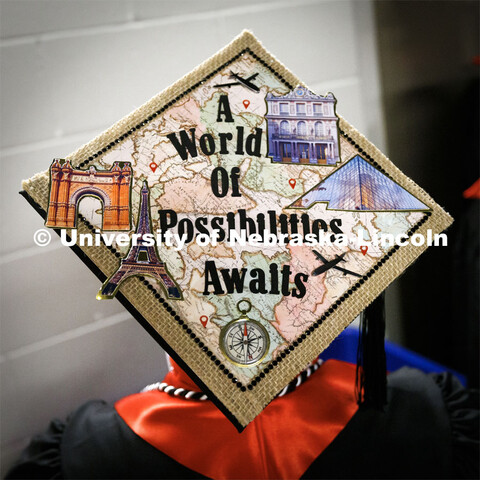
[{"x": 239, "y": 143}]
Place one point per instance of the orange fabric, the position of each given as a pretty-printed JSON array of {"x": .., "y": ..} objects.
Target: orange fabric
[
  {"x": 473, "y": 191},
  {"x": 281, "y": 443}
]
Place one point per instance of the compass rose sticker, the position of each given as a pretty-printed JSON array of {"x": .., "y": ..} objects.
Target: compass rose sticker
[{"x": 244, "y": 341}]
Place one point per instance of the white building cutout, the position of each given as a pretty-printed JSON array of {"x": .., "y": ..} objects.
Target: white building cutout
[{"x": 302, "y": 128}]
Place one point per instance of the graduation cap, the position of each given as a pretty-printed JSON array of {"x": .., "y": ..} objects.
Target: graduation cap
[{"x": 244, "y": 224}]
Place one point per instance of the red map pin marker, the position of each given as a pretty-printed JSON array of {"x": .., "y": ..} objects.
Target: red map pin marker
[
  {"x": 292, "y": 182},
  {"x": 153, "y": 166},
  {"x": 204, "y": 321},
  {"x": 246, "y": 103},
  {"x": 364, "y": 249}
]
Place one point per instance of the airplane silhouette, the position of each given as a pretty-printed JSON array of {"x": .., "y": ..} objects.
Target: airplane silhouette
[
  {"x": 328, "y": 264},
  {"x": 245, "y": 82}
]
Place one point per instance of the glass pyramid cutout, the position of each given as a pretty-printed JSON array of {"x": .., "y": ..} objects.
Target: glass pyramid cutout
[{"x": 360, "y": 186}]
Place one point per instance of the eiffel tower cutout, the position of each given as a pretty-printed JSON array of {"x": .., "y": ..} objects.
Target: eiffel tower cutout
[{"x": 141, "y": 259}]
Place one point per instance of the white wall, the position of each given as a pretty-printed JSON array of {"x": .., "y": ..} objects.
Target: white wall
[{"x": 68, "y": 71}]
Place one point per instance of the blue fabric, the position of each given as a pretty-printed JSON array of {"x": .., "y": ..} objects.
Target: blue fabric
[{"x": 344, "y": 347}]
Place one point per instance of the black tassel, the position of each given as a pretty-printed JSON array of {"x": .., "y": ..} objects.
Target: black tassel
[{"x": 371, "y": 377}]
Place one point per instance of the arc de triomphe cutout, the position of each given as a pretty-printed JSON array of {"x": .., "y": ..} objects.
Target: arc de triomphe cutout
[{"x": 68, "y": 186}]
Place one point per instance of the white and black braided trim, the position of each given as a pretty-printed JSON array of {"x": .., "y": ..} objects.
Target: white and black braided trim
[
  {"x": 191, "y": 395},
  {"x": 297, "y": 381},
  {"x": 175, "y": 392}
]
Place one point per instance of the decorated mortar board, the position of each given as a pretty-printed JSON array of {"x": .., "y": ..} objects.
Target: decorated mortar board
[{"x": 244, "y": 224}]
